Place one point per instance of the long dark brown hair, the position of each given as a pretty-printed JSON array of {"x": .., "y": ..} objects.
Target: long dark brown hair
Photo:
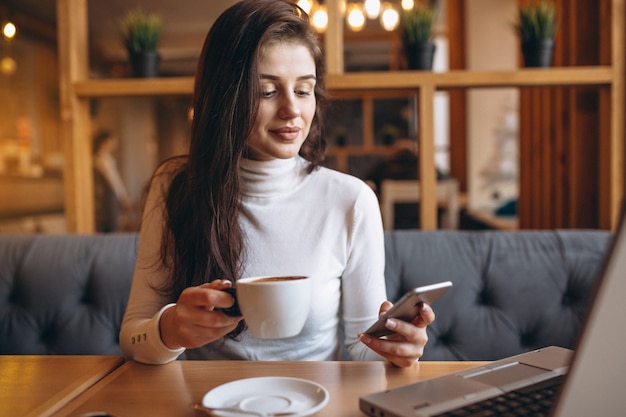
[{"x": 203, "y": 240}]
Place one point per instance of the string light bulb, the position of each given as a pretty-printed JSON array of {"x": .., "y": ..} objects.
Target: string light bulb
[
  {"x": 407, "y": 4},
  {"x": 357, "y": 13},
  {"x": 372, "y": 8},
  {"x": 8, "y": 66},
  {"x": 389, "y": 17},
  {"x": 355, "y": 16},
  {"x": 9, "y": 30},
  {"x": 319, "y": 18},
  {"x": 306, "y": 5}
]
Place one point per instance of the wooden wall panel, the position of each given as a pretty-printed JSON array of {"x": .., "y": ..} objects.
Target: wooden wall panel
[
  {"x": 561, "y": 128},
  {"x": 457, "y": 98}
]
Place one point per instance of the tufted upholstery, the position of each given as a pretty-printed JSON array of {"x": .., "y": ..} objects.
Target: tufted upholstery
[
  {"x": 64, "y": 294},
  {"x": 513, "y": 291}
]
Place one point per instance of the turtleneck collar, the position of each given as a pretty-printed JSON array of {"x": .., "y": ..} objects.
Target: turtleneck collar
[{"x": 272, "y": 178}]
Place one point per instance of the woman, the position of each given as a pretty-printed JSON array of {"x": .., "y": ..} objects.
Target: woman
[{"x": 251, "y": 199}]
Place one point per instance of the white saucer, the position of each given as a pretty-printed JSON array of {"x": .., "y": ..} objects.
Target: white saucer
[{"x": 268, "y": 394}]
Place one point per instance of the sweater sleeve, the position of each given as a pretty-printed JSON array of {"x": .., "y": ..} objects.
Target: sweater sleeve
[
  {"x": 140, "y": 337},
  {"x": 363, "y": 281}
]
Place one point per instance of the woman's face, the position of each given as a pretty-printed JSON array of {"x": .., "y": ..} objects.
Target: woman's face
[{"x": 287, "y": 104}]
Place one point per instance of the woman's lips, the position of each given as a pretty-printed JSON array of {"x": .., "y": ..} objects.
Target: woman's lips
[{"x": 287, "y": 133}]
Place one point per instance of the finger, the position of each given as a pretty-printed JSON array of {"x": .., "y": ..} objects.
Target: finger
[
  {"x": 233, "y": 310},
  {"x": 218, "y": 284},
  {"x": 426, "y": 316},
  {"x": 207, "y": 298},
  {"x": 401, "y": 354},
  {"x": 200, "y": 317},
  {"x": 384, "y": 307}
]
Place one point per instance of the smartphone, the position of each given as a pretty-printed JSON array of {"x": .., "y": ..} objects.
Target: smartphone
[{"x": 407, "y": 308}]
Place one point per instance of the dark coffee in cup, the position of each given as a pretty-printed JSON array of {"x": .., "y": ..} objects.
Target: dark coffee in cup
[{"x": 271, "y": 279}]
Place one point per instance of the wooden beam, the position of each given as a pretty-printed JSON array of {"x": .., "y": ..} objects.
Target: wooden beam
[
  {"x": 333, "y": 38},
  {"x": 618, "y": 106},
  {"x": 457, "y": 98},
  {"x": 426, "y": 155},
  {"x": 75, "y": 118}
]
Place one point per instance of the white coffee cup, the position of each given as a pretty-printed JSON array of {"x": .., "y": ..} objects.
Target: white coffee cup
[{"x": 274, "y": 307}]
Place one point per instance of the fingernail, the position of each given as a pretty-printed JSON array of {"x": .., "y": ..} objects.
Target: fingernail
[
  {"x": 364, "y": 338},
  {"x": 391, "y": 324}
]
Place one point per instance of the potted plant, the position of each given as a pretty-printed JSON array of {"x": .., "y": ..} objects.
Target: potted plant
[
  {"x": 416, "y": 31},
  {"x": 140, "y": 34},
  {"x": 537, "y": 25}
]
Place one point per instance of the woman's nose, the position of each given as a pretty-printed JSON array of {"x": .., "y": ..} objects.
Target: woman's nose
[{"x": 289, "y": 107}]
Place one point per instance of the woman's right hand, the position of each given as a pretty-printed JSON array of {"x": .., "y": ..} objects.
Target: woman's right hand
[{"x": 194, "y": 320}]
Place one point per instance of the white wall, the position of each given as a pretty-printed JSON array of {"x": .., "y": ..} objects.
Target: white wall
[{"x": 492, "y": 113}]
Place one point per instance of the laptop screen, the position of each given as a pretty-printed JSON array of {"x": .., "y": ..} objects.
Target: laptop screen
[{"x": 597, "y": 377}]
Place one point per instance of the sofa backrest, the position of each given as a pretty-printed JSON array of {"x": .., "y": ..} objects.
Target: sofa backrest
[
  {"x": 64, "y": 294},
  {"x": 513, "y": 291}
]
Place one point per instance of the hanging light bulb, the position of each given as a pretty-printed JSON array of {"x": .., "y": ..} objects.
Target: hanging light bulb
[
  {"x": 407, "y": 4},
  {"x": 306, "y": 5},
  {"x": 8, "y": 66},
  {"x": 389, "y": 17},
  {"x": 372, "y": 8},
  {"x": 342, "y": 7},
  {"x": 355, "y": 16},
  {"x": 9, "y": 30},
  {"x": 319, "y": 18}
]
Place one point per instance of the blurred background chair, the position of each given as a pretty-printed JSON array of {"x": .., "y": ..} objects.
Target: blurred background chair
[{"x": 394, "y": 192}]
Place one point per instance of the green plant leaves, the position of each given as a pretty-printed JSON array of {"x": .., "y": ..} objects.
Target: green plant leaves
[
  {"x": 417, "y": 24},
  {"x": 140, "y": 32},
  {"x": 537, "y": 20}
]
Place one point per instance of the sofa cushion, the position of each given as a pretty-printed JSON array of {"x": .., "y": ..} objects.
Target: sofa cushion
[
  {"x": 61, "y": 295},
  {"x": 513, "y": 291}
]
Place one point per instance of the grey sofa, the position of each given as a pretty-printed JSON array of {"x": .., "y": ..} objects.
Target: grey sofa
[{"x": 513, "y": 291}]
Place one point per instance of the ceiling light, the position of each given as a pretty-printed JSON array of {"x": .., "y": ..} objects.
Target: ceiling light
[
  {"x": 407, "y": 4},
  {"x": 8, "y": 66},
  {"x": 389, "y": 17},
  {"x": 319, "y": 18},
  {"x": 9, "y": 30},
  {"x": 372, "y": 8},
  {"x": 355, "y": 17},
  {"x": 306, "y": 5}
]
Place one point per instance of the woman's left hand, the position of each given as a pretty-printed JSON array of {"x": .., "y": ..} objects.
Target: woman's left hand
[{"x": 406, "y": 345}]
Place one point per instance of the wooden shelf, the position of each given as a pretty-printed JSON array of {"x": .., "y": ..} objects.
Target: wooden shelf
[
  {"x": 76, "y": 89},
  {"x": 553, "y": 77},
  {"x": 126, "y": 87}
]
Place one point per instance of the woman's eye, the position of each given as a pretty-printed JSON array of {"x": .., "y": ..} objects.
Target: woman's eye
[
  {"x": 303, "y": 93},
  {"x": 268, "y": 94}
]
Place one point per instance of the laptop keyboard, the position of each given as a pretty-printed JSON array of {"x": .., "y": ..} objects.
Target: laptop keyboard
[{"x": 533, "y": 401}]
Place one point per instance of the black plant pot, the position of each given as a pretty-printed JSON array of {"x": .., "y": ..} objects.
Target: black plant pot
[
  {"x": 538, "y": 53},
  {"x": 144, "y": 64},
  {"x": 419, "y": 56}
]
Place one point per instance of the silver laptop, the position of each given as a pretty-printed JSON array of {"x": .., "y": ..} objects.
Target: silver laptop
[{"x": 559, "y": 382}]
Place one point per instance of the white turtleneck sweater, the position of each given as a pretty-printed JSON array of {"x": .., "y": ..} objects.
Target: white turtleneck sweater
[{"x": 325, "y": 225}]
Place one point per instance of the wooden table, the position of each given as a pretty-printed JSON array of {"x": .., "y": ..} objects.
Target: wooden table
[
  {"x": 39, "y": 385},
  {"x": 170, "y": 390}
]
